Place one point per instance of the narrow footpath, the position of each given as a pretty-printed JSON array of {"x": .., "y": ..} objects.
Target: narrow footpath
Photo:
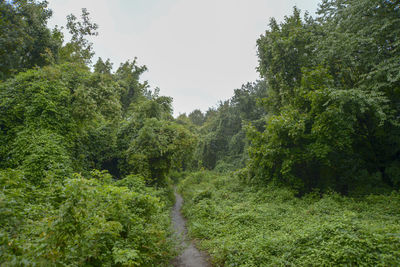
[{"x": 191, "y": 256}]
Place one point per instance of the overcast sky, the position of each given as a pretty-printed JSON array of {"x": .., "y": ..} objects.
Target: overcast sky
[{"x": 197, "y": 51}]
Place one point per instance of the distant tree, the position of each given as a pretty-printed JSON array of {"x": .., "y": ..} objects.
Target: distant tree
[
  {"x": 196, "y": 117},
  {"x": 247, "y": 100},
  {"x": 158, "y": 147},
  {"x": 103, "y": 67},
  {"x": 183, "y": 119},
  {"x": 128, "y": 75}
]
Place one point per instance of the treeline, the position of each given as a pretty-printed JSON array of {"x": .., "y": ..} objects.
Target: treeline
[
  {"x": 314, "y": 147},
  {"x": 85, "y": 152},
  {"x": 325, "y": 114},
  {"x": 222, "y": 143}
]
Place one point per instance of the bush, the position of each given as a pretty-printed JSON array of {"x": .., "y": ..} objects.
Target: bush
[
  {"x": 245, "y": 225},
  {"x": 90, "y": 222}
]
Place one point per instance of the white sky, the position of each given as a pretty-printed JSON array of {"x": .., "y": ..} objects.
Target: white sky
[{"x": 197, "y": 51}]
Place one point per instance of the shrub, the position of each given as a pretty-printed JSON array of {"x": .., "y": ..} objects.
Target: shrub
[
  {"x": 95, "y": 222},
  {"x": 245, "y": 225}
]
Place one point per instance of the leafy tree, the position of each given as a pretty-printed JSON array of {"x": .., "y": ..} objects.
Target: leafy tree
[
  {"x": 158, "y": 147},
  {"x": 79, "y": 49},
  {"x": 132, "y": 89},
  {"x": 103, "y": 67},
  {"x": 197, "y": 117},
  {"x": 283, "y": 51},
  {"x": 62, "y": 119},
  {"x": 331, "y": 121},
  {"x": 247, "y": 100},
  {"x": 360, "y": 38},
  {"x": 25, "y": 41},
  {"x": 34, "y": 105},
  {"x": 321, "y": 141}
]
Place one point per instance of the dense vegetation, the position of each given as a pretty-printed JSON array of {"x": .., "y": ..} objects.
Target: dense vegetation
[
  {"x": 243, "y": 225},
  {"x": 306, "y": 160},
  {"x": 325, "y": 114},
  {"x": 84, "y": 153}
]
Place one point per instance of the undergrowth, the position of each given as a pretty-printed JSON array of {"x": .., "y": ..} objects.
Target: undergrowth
[
  {"x": 242, "y": 225},
  {"x": 84, "y": 221}
]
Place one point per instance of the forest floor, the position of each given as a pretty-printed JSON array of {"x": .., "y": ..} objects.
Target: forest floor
[
  {"x": 190, "y": 255},
  {"x": 241, "y": 224}
]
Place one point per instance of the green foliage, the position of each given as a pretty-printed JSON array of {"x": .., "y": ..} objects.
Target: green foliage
[
  {"x": 331, "y": 123},
  {"x": 360, "y": 42},
  {"x": 197, "y": 117},
  {"x": 40, "y": 154},
  {"x": 158, "y": 147},
  {"x": 85, "y": 225},
  {"x": 79, "y": 49},
  {"x": 320, "y": 141},
  {"x": 245, "y": 100},
  {"x": 91, "y": 229},
  {"x": 283, "y": 51},
  {"x": 67, "y": 104},
  {"x": 133, "y": 182},
  {"x": 103, "y": 67},
  {"x": 14, "y": 190},
  {"x": 25, "y": 40},
  {"x": 132, "y": 89},
  {"x": 243, "y": 225},
  {"x": 61, "y": 119}
]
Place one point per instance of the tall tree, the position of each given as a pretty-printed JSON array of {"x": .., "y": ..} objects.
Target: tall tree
[
  {"x": 283, "y": 51},
  {"x": 197, "y": 117},
  {"x": 25, "y": 40},
  {"x": 79, "y": 49},
  {"x": 332, "y": 98}
]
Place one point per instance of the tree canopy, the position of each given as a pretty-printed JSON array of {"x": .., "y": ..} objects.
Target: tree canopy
[
  {"x": 77, "y": 146},
  {"x": 87, "y": 151},
  {"x": 325, "y": 114}
]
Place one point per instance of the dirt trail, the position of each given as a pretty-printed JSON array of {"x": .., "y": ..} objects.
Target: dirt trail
[{"x": 191, "y": 256}]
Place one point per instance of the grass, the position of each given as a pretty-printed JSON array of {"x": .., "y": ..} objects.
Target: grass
[{"x": 244, "y": 225}]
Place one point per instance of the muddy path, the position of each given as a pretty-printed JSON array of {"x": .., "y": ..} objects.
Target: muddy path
[{"x": 190, "y": 256}]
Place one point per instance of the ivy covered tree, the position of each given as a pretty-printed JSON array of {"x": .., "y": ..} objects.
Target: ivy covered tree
[
  {"x": 325, "y": 114},
  {"x": 25, "y": 40},
  {"x": 158, "y": 147},
  {"x": 283, "y": 51},
  {"x": 332, "y": 100},
  {"x": 72, "y": 141},
  {"x": 222, "y": 143}
]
